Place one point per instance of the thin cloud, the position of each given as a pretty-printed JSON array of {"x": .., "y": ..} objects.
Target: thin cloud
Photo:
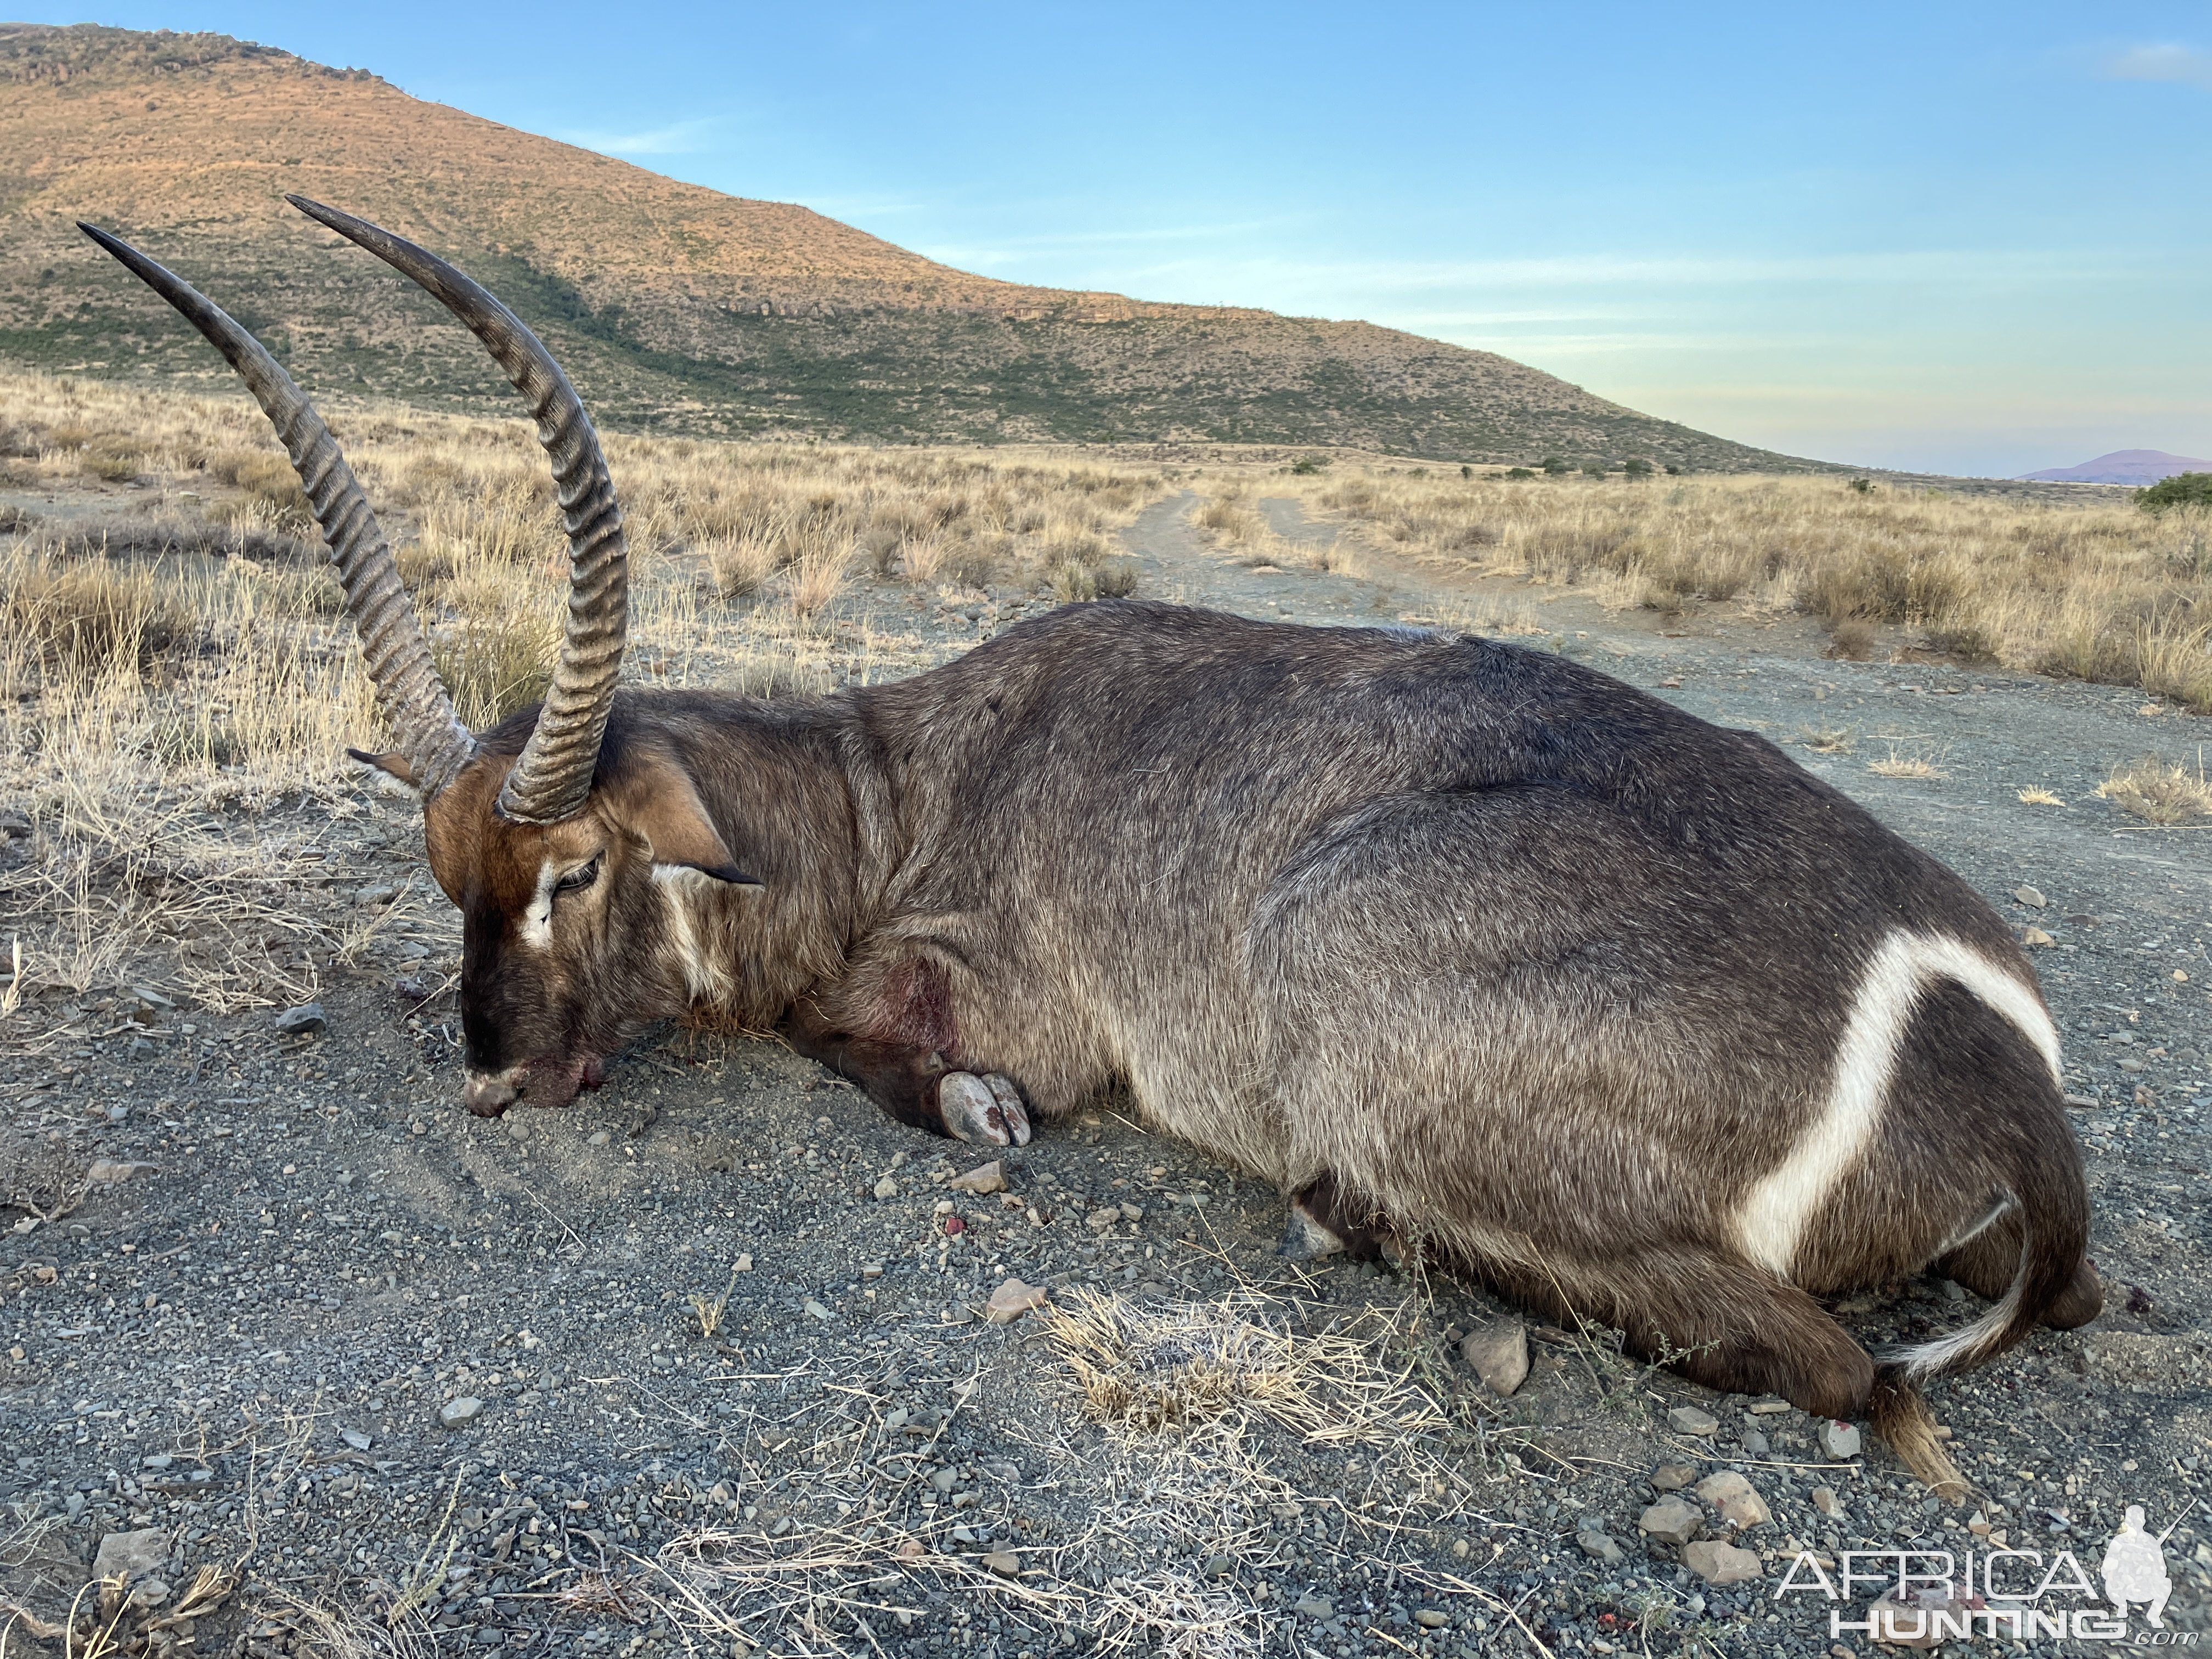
[
  {"x": 678, "y": 138},
  {"x": 2185, "y": 65}
]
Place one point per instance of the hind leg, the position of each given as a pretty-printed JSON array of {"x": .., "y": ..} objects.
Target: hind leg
[{"x": 1733, "y": 1328}]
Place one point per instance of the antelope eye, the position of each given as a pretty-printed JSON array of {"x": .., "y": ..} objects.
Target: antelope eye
[{"x": 579, "y": 879}]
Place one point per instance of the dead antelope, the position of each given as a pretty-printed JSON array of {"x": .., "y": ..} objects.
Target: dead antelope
[{"x": 1460, "y": 942}]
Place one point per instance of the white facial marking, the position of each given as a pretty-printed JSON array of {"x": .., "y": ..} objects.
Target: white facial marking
[
  {"x": 537, "y": 929},
  {"x": 1773, "y": 1218}
]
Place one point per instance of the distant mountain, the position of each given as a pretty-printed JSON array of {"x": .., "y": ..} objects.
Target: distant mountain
[
  {"x": 672, "y": 305},
  {"x": 2121, "y": 466}
]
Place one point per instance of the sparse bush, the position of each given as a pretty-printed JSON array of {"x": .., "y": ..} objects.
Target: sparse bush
[
  {"x": 1852, "y": 639},
  {"x": 1637, "y": 468},
  {"x": 1591, "y": 469},
  {"x": 2182, "y": 489},
  {"x": 1555, "y": 466},
  {"x": 1863, "y": 486},
  {"x": 1519, "y": 472},
  {"x": 1307, "y": 465}
]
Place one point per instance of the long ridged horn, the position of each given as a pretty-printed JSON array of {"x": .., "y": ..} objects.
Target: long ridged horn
[
  {"x": 553, "y": 775},
  {"x": 431, "y": 737}
]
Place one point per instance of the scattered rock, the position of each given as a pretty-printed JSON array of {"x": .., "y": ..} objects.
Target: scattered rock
[
  {"x": 886, "y": 1187},
  {"x": 1314, "y": 1608},
  {"x": 1690, "y": 1420},
  {"x": 105, "y": 1171},
  {"x": 1672, "y": 1521},
  {"x": 1772, "y": 1406},
  {"x": 1102, "y": 1221},
  {"x": 1838, "y": 1438},
  {"x": 597, "y": 1138},
  {"x": 356, "y": 1439},
  {"x": 454, "y": 1413},
  {"x": 2031, "y": 897},
  {"x": 1499, "y": 1355},
  {"x": 2036, "y": 936},
  {"x": 1599, "y": 1545},
  {"x": 1430, "y": 1617},
  {"x": 1673, "y": 1476},
  {"x": 381, "y": 893},
  {"x": 983, "y": 1178},
  {"x": 1736, "y": 1499},
  {"x": 131, "y": 1554},
  {"x": 1720, "y": 1564},
  {"x": 149, "y": 1593},
  {"x": 1755, "y": 1445},
  {"x": 1011, "y": 1300},
  {"x": 816, "y": 1310},
  {"x": 1219, "y": 1566},
  {"x": 912, "y": 1549},
  {"x": 1825, "y": 1501},
  {"x": 306, "y": 1020},
  {"x": 1004, "y": 1563}
]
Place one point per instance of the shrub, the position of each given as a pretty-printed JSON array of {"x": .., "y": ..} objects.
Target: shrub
[
  {"x": 1555, "y": 466},
  {"x": 1519, "y": 472},
  {"x": 2182, "y": 489},
  {"x": 1307, "y": 465},
  {"x": 1637, "y": 468},
  {"x": 83, "y": 617},
  {"x": 1591, "y": 469}
]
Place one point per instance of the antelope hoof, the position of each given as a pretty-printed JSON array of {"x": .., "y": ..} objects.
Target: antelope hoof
[
  {"x": 984, "y": 1109},
  {"x": 1305, "y": 1239}
]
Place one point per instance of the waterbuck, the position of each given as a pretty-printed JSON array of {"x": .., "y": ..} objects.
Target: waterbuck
[{"x": 1461, "y": 944}]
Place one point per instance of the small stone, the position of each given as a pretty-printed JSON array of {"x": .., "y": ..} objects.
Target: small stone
[
  {"x": 1598, "y": 1545},
  {"x": 744, "y": 1264},
  {"x": 983, "y": 1178},
  {"x": 1219, "y": 1566},
  {"x": 463, "y": 1409},
  {"x": 1772, "y": 1406},
  {"x": 886, "y": 1187},
  {"x": 382, "y": 893},
  {"x": 597, "y": 1138},
  {"x": 105, "y": 1172},
  {"x": 1314, "y": 1608},
  {"x": 1838, "y": 1438},
  {"x": 1011, "y": 1300},
  {"x": 1672, "y": 1520},
  {"x": 1755, "y": 1445},
  {"x": 2031, "y": 897},
  {"x": 1499, "y": 1356},
  {"x": 816, "y": 1310},
  {"x": 1431, "y": 1619},
  {"x": 911, "y": 1549},
  {"x": 2036, "y": 936},
  {"x": 1690, "y": 1420},
  {"x": 1825, "y": 1501},
  {"x": 1132, "y": 1211},
  {"x": 516, "y": 1129},
  {"x": 1736, "y": 1499},
  {"x": 1673, "y": 1476},
  {"x": 147, "y": 1593},
  {"x": 1102, "y": 1221},
  {"x": 306, "y": 1020},
  {"x": 1720, "y": 1564},
  {"x": 356, "y": 1439},
  {"x": 1004, "y": 1563},
  {"x": 131, "y": 1554},
  {"x": 158, "y": 1461}
]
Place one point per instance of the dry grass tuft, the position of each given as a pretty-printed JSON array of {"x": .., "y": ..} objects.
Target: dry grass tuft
[
  {"x": 2160, "y": 790},
  {"x": 1908, "y": 761},
  {"x": 2036, "y": 795}
]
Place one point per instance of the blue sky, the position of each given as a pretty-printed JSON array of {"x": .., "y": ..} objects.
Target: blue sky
[{"x": 1961, "y": 238}]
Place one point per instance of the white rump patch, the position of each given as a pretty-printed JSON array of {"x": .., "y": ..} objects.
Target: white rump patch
[
  {"x": 1772, "y": 1220},
  {"x": 537, "y": 929}
]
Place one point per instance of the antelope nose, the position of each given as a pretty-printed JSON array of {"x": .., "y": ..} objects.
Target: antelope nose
[{"x": 487, "y": 1095}]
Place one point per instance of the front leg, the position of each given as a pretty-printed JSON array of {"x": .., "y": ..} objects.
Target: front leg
[{"x": 913, "y": 1085}]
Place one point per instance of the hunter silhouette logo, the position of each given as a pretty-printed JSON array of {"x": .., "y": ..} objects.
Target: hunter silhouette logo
[
  {"x": 2135, "y": 1568},
  {"x": 1933, "y": 1596}
]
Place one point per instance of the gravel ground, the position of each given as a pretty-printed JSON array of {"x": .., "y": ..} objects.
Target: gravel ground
[{"x": 707, "y": 1361}]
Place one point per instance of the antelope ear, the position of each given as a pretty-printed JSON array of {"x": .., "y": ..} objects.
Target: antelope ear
[
  {"x": 663, "y": 806},
  {"x": 391, "y": 760}
]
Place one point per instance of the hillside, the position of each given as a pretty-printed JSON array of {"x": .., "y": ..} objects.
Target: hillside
[
  {"x": 673, "y": 305},
  {"x": 2123, "y": 466}
]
